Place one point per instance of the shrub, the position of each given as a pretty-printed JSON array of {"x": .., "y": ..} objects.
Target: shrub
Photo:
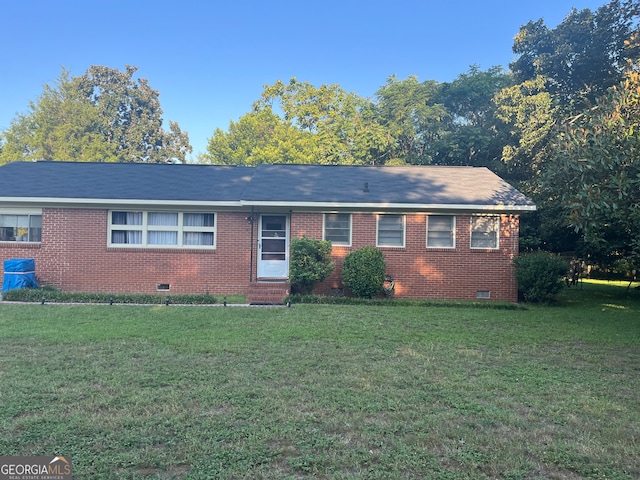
[
  {"x": 540, "y": 275},
  {"x": 52, "y": 295},
  {"x": 310, "y": 263},
  {"x": 363, "y": 272}
]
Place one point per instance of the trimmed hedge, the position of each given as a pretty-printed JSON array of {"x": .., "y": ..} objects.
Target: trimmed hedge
[
  {"x": 387, "y": 302},
  {"x": 56, "y": 296}
]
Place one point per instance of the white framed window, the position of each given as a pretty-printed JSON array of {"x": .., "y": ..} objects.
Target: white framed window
[
  {"x": 337, "y": 228},
  {"x": 484, "y": 232},
  {"x": 441, "y": 231},
  {"x": 390, "y": 230},
  {"x": 162, "y": 229},
  {"x": 20, "y": 226}
]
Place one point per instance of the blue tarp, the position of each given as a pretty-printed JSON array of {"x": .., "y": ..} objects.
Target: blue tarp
[{"x": 19, "y": 273}]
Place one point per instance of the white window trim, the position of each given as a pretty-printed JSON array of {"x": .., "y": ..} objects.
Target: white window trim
[
  {"x": 21, "y": 211},
  {"x": 404, "y": 230},
  {"x": 453, "y": 227},
  {"x": 497, "y": 219},
  {"x": 145, "y": 228},
  {"x": 324, "y": 231}
]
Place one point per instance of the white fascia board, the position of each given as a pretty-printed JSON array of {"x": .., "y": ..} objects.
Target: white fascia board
[
  {"x": 105, "y": 202},
  {"x": 393, "y": 206},
  {"x": 110, "y": 202}
]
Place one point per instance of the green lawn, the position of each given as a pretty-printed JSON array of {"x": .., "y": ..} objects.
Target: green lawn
[{"x": 327, "y": 391}]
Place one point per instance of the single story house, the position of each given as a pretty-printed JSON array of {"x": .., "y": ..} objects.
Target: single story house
[{"x": 446, "y": 232}]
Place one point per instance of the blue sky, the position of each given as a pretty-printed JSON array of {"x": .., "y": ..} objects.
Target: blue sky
[{"x": 210, "y": 60}]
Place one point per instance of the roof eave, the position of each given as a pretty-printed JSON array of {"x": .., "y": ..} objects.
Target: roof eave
[
  {"x": 370, "y": 206},
  {"x": 51, "y": 201},
  {"x": 394, "y": 206}
]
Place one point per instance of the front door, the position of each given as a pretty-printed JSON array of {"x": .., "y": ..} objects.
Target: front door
[{"x": 273, "y": 247}]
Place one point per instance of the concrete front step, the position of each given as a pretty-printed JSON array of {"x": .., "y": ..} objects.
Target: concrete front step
[{"x": 267, "y": 293}]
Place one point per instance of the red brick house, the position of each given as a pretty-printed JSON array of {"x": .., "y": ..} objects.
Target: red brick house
[{"x": 446, "y": 232}]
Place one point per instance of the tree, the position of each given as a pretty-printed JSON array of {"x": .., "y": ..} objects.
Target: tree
[
  {"x": 560, "y": 72},
  {"x": 320, "y": 125},
  {"x": 61, "y": 125},
  {"x": 595, "y": 173},
  {"x": 131, "y": 117},
  {"x": 529, "y": 110},
  {"x": 583, "y": 56},
  {"x": 412, "y": 118},
  {"x": 474, "y": 135},
  {"x": 344, "y": 126},
  {"x": 103, "y": 115},
  {"x": 260, "y": 137}
]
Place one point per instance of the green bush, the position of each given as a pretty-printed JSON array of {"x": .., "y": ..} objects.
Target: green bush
[
  {"x": 540, "y": 275},
  {"x": 363, "y": 272},
  {"x": 49, "y": 295},
  {"x": 310, "y": 263}
]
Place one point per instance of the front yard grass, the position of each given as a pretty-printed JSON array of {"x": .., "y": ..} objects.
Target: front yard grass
[{"x": 327, "y": 391}]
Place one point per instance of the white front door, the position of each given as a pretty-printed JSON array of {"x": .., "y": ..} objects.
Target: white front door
[{"x": 273, "y": 246}]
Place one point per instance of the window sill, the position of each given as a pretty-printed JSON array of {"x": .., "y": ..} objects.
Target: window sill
[
  {"x": 11, "y": 244},
  {"x": 160, "y": 250}
]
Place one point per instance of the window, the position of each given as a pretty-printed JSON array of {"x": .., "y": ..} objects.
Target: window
[
  {"x": 484, "y": 232},
  {"x": 126, "y": 228},
  {"x": 337, "y": 228},
  {"x": 390, "y": 231},
  {"x": 162, "y": 229},
  {"x": 20, "y": 227},
  {"x": 441, "y": 231}
]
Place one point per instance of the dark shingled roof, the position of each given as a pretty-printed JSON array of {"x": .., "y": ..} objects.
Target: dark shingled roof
[
  {"x": 130, "y": 181},
  {"x": 415, "y": 185},
  {"x": 280, "y": 185}
]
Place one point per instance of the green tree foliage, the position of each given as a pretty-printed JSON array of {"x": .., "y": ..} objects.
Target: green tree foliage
[
  {"x": 310, "y": 263},
  {"x": 595, "y": 173},
  {"x": 344, "y": 125},
  {"x": 412, "y": 118},
  {"x": 474, "y": 136},
  {"x": 61, "y": 125},
  {"x": 529, "y": 110},
  {"x": 583, "y": 56},
  {"x": 363, "y": 272},
  {"x": 540, "y": 275},
  {"x": 409, "y": 122},
  {"x": 103, "y": 115},
  {"x": 320, "y": 125},
  {"x": 131, "y": 117},
  {"x": 558, "y": 73},
  {"x": 261, "y": 137}
]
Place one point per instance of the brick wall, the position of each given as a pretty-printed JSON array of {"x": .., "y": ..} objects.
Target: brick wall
[
  {"x": 74, "y": 256},
  {"x": 419, "y": 272}
]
